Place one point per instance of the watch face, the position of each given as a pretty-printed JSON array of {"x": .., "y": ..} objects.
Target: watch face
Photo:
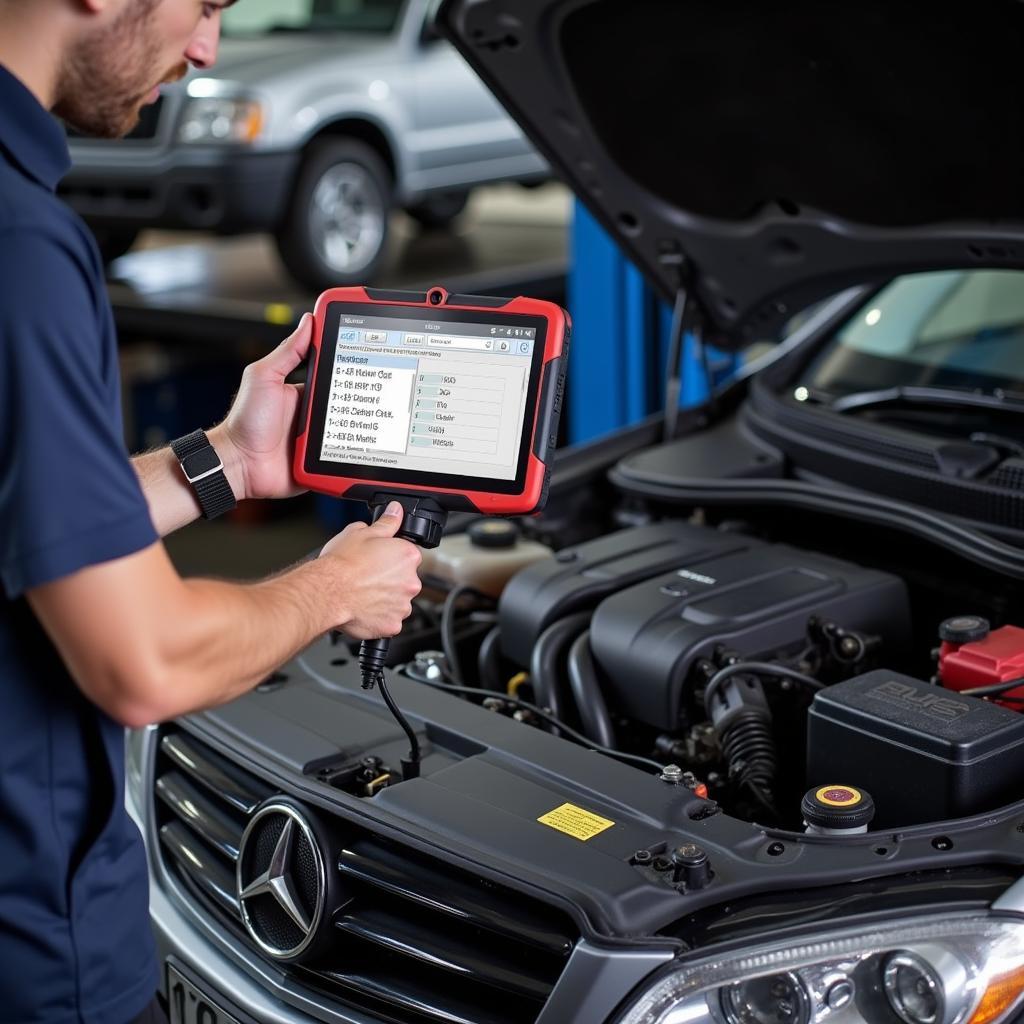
[{"x": 200, "y": 462}]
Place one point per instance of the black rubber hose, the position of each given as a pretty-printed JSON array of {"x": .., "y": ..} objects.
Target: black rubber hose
[
  {"x": 586, "y": 691},
  {"x": 620, "y": 755},
  {"x": 489, "y": 661},
  {"x": 994, "y": 688},
  {"x": 761, "y": 669},
  {"x": 971, "y": 544},
  {"x": 545, "y": 662},
  {"x": 448, "y": 628},
  {"x": 472, "y": 691}
]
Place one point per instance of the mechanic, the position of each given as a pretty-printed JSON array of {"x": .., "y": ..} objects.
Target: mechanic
[{"x": 97, "y": 630}]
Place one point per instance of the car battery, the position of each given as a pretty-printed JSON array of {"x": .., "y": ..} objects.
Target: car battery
[{"x": 924, "y": 753}]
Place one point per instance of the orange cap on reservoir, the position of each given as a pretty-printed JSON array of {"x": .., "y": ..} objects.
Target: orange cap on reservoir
[{"x": 837, "y": 808}]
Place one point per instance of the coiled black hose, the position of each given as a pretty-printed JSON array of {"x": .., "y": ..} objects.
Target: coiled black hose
[
  {"x": 595, "y": 720},
  {"x": 545, "y": 662},
  {"x": 749, "y": 749}
]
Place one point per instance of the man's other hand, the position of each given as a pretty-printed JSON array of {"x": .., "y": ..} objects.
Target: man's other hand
[
  {"x": 377, "y": 577},
  {"x": 260, "y": 428}
]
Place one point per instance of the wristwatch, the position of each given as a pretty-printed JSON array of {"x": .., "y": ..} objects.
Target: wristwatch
[{"x": 204, "y": 470}]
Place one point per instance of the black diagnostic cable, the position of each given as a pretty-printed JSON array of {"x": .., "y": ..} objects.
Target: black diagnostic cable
[
  {"x": 411, "y": 764},
  {"x": 473, "y": 691},
  {"x": 756, "y": 668},
  {"x": 423, "y": 524}
]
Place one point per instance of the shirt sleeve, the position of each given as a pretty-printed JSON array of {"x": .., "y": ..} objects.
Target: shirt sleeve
[{"x": 69, "y": 497}]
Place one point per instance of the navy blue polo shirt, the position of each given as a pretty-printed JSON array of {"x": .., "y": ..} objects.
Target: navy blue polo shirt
[{"x": 75, "y": 940}]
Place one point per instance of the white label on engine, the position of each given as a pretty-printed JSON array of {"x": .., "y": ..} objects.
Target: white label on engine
[{"x": 697, "y": 577}]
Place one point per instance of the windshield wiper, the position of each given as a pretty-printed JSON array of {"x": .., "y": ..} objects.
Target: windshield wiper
[{"x": 911, "y": 394}]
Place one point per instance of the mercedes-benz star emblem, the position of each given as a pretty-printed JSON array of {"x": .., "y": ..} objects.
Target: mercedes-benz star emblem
[{"x": 280, "y": 880}]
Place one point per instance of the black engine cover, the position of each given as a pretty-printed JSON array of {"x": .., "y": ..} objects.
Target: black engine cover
[
  {"x": 755, "y": 599},
  {"x": 578, "y": 578}
]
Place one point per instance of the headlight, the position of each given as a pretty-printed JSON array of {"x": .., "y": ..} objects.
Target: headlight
[
  {"x": 217, "y": 119},
  {"x": 951, "y": 970}
]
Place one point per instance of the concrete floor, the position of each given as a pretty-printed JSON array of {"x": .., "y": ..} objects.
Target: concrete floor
[{"x": 504, "y": 226}]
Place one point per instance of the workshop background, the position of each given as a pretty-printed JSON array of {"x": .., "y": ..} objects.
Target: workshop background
[{"x": 204, "y": 278}]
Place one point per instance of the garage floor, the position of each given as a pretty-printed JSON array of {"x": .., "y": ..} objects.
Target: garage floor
[{"x": 505, "y": 229}]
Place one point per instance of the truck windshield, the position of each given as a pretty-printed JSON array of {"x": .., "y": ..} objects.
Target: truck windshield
[
  {"x": 950, "y": 329},
  {"x": 262, "y": 17}
]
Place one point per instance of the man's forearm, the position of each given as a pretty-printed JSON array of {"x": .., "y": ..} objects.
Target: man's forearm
[
  {"x": 145, "y": 645},
  {"x": 171, "y": 499},
  {"x": 182, "y": 645},
  {"x": 237, "y": 634}
]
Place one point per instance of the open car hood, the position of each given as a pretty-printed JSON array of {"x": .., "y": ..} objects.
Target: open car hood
[{"x": 764, "y": 155}]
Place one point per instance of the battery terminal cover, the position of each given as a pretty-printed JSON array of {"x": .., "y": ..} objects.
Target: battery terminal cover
[{"x": 980, "y": 657}]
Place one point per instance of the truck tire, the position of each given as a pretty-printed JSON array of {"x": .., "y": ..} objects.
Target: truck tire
[
  {"x": 438, "y": 211},
  {"x": 336, "y": 227},
  {"x": 113, "y": 242}
]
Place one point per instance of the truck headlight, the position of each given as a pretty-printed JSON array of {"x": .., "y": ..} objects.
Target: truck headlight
[
  {"x": 965, "y": 969},
  {"x": 219, "y": 119}
]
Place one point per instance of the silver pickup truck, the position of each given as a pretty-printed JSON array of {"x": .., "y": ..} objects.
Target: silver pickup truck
[{"x": 320, "y": 117}]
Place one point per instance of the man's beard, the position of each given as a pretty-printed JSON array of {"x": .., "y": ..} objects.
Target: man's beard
[{"x": 103, "y": 83}]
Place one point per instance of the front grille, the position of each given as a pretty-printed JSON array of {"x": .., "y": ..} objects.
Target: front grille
[
  {"x": 149, "y": 121},
  {"x": 415, "y": 939}
]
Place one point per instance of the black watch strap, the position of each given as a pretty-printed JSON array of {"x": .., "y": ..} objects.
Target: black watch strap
[{"x": 205, "y": 472}]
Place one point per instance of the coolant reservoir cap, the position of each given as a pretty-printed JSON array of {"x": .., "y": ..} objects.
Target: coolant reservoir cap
[
  {"x": 964, "y": 629},
  {"x": 837, "y": 807},
  {"x": 493, "y": 533}
]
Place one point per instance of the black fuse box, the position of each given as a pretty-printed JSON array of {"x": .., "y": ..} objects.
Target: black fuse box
[{"x": 923, "y": 753}]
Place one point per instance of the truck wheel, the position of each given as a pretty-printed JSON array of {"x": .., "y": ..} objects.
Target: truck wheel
[
  {"x": 113, "y": 242},
  {"x": 438, "y": 211},
  {"x": 336, "y": 227}
]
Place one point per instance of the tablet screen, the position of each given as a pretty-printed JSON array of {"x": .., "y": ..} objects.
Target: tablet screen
[{"x": 428, "y": 396}]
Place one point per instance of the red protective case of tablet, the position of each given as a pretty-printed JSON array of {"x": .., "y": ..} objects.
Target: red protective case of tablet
[{"x": 545, "y": 415}]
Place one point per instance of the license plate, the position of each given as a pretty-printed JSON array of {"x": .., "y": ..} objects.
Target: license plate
[{"x": 189, "y": 1004}]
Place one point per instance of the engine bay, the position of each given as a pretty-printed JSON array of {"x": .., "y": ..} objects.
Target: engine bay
[{"x": 741, "y": 665}]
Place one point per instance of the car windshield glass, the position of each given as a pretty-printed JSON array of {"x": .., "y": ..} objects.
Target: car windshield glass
[
  {"x": 262, "y": 17},
  {"x": 951, "y": 329}
]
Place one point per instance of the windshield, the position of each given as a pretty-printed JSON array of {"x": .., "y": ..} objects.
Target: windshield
[
  {"x": 261, "y": 17},
  {"x": 954, "y": 329}
]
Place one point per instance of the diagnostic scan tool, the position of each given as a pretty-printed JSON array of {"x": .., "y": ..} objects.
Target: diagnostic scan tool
[
  {"x": 445, "y": 402},
  {"x": 416, "y": 395}
]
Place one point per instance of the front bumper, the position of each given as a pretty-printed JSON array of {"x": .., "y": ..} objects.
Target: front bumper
[
  {"x": 593, "y": 984},
  {"x": 220, "y": 189}
]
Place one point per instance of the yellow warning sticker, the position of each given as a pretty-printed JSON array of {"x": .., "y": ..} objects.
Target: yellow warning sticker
[{"x": 575, "y": 821}]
